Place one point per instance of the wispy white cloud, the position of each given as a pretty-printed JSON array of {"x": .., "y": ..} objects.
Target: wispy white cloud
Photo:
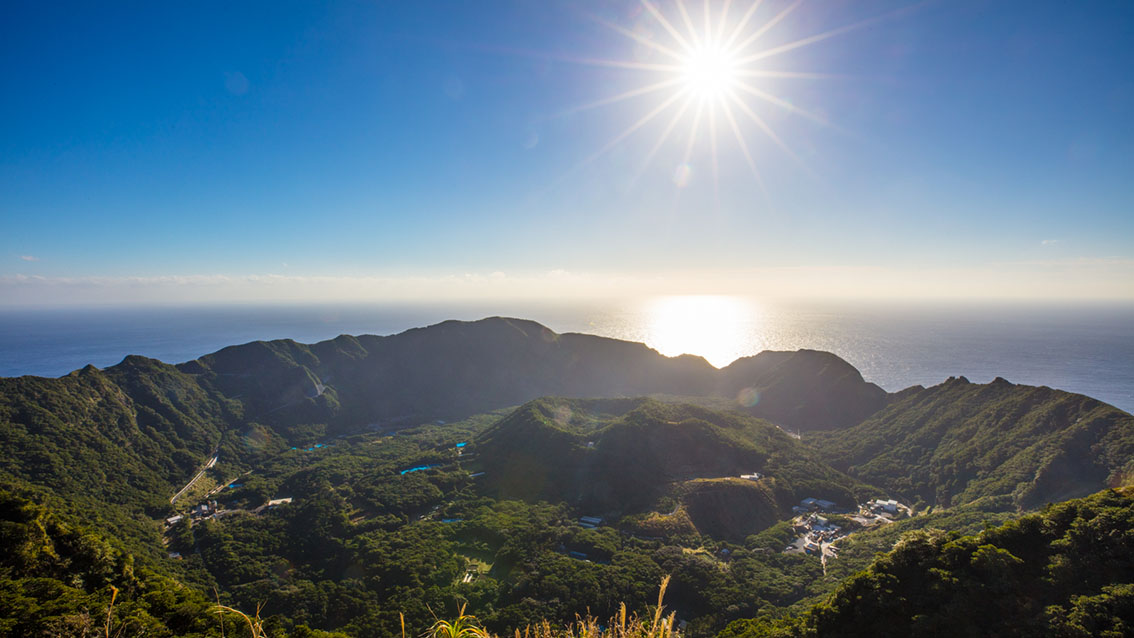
[
  {"x": 29, "y": 257},
  {"x": 1082, "y": 278},
  {"x": 1078, "y": 263},
  {"x": 1049, "y": 242}
]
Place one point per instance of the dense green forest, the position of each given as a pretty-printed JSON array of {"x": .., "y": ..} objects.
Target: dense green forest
[
  {"x": 361, "y": 542},
  {"x": 344, "y": 487},
  {"x": 58, "y": 578}
]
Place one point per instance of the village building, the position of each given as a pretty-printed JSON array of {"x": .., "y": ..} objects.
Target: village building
[
  {"x": 813, "y": 504},
  {"x": 590, "y": 522},
  {"x": 886, "y": 506}
]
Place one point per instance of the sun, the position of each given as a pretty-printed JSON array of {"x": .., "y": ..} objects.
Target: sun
[
  {"x": 712, "y": 73},
  {"x": 709, "y": 72}
]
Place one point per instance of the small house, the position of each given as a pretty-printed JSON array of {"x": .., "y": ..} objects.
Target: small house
[
  {"x": 816, "y": 504},
  {"x": 889, "y": 506}
]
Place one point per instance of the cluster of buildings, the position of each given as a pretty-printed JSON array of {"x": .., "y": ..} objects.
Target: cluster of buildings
[
  {"x": 203, "y": 510},
  {"x": 213, "y": 509},
  {"x": 816, "y": 530}
]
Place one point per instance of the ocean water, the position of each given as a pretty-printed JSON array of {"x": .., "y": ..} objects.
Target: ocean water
[{"x": 1087, "y": 348}]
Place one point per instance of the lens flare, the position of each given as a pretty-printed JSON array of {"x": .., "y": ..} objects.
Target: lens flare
[
  {"x": 682, "y": 174},
  {"x": 748, "y": 397}
]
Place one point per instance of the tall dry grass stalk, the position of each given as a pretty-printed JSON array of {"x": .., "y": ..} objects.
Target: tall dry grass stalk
[
  {"x": 464, "y": 626},
  {"x": 621, "y": 625},
  {"x": 255, "y": 625},
  {"x": 109, "y": 611}
]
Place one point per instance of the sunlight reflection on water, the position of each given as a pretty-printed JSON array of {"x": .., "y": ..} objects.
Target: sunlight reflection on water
[
  {"x": 718, "y": 328},
  {"x": 1087, "y": 349},
  {"x": 1084, "y": 348}
]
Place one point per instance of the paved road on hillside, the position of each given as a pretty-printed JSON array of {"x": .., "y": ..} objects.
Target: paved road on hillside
[{"x": 212, "y": 462}]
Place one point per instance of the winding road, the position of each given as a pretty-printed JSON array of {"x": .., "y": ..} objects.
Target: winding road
[{"x": 212, "y": 462}]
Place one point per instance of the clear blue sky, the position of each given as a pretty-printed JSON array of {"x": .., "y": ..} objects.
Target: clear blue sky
[{"x": 212, "y": 151}]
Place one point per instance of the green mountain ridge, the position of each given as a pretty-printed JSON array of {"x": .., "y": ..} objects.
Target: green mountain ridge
[
  {"x": 959, "y": 442},
  {"x": 135, "y": 430},
  {"x": 146, "y": 426},
  {"x": 455, "y": 368}
]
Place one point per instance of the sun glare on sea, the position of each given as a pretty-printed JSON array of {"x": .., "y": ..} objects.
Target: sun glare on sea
[{"x": 718, "y": 328}]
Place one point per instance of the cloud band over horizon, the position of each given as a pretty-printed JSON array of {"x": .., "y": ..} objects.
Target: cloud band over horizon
[{"x": 1076, "y": 279}]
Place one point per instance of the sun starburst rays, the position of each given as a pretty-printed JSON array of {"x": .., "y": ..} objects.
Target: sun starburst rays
[
  {"x": 707, "y": 61},
  {"x": 673, "y": 122},
  {"x": 642, "y": 121}
]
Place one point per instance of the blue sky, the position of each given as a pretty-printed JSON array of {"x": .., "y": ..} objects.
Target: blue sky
[{"x": 367, "y": 150}]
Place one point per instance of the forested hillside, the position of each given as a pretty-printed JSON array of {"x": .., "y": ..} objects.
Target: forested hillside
[
  {"x": 620, "y": 457},
  {"x": 959, "y": 442},
  {"x": 58, "y": 578}
]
